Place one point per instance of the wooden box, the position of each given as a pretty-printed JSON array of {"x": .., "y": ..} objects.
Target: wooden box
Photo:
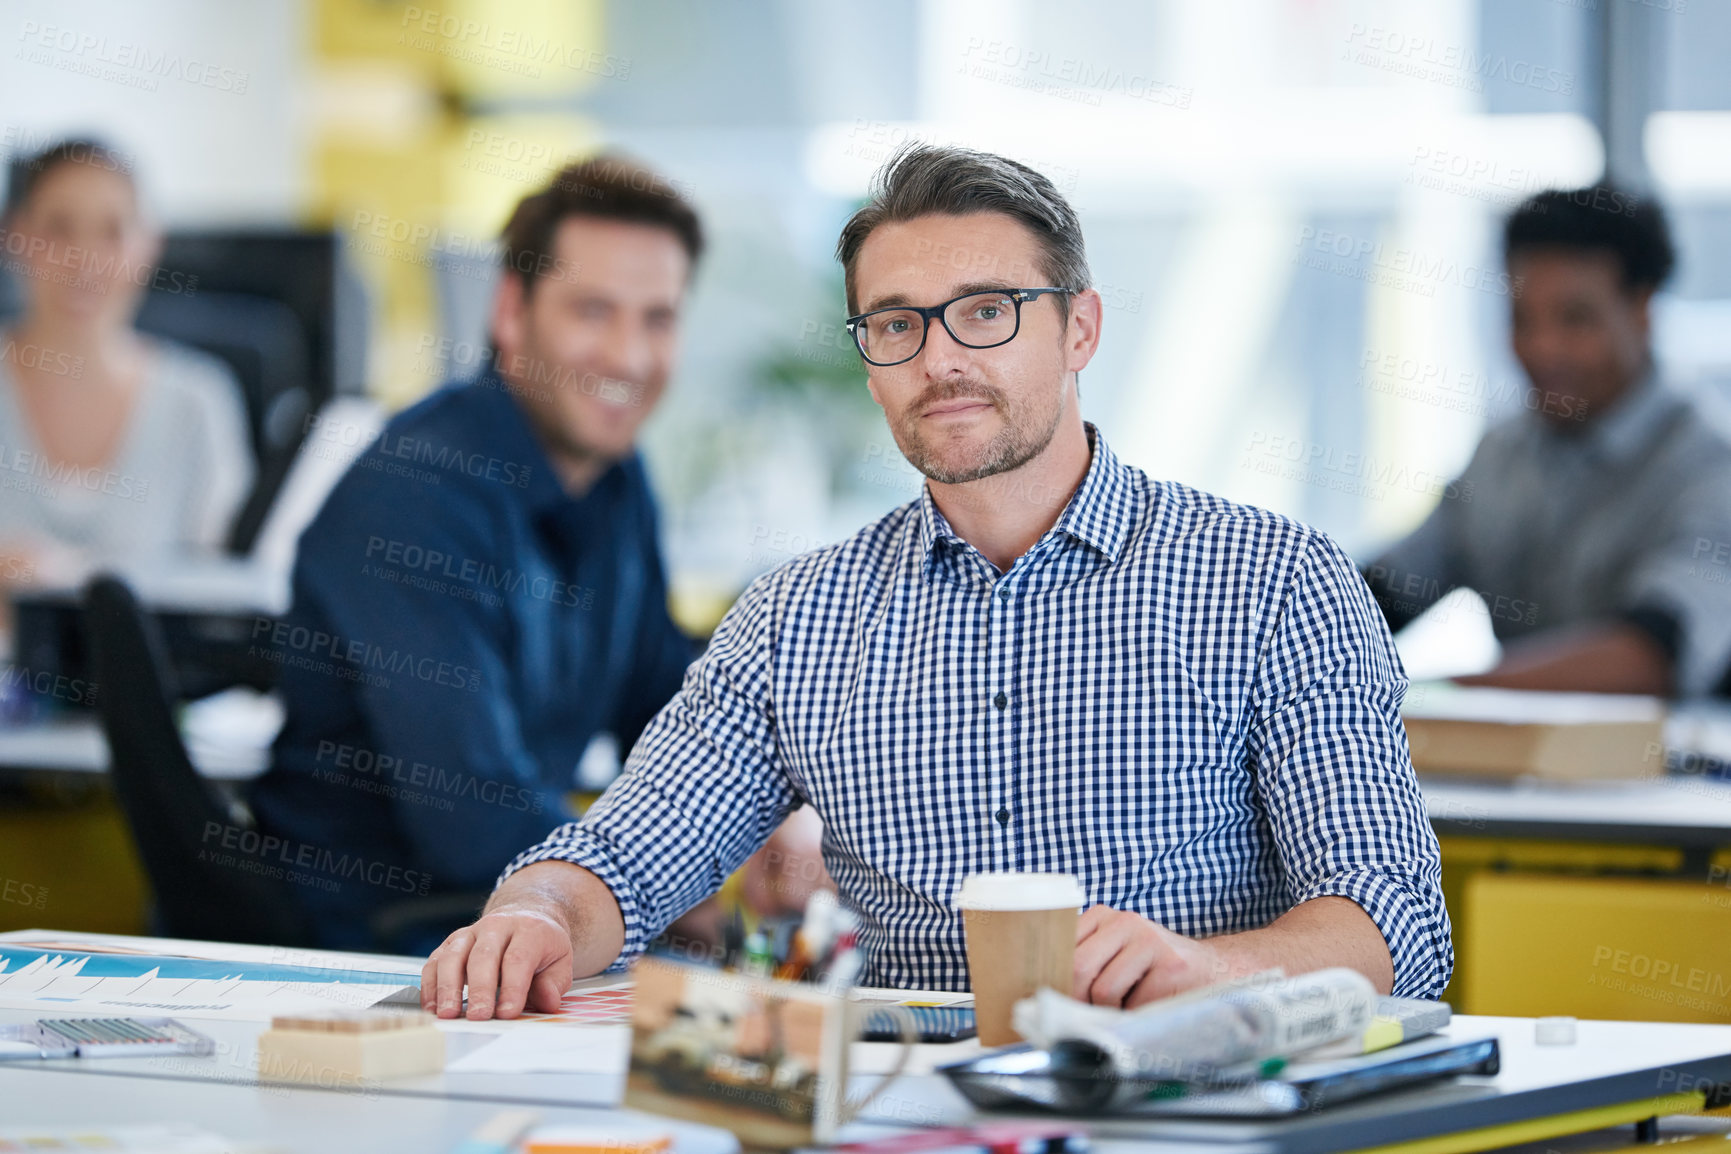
[
  {"x": 1502, "y": 733},
  {"x": 347, "y": 1050}
]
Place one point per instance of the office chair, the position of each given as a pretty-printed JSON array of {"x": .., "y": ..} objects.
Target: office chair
[
  {"x": 196, "y": 848},
  {"x": 190, "y": 840}
]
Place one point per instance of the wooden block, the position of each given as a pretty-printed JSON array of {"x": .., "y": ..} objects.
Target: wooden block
[
  {"x": 1580, "y": 752},
  {"x": 354, "y": 1021},
  {"x": 350, "y": 1049},
  {"x": 1505, "y": 733}
]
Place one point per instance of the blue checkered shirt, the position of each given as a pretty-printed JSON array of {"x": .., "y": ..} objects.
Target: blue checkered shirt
[{"x": 1189, "y": 704}]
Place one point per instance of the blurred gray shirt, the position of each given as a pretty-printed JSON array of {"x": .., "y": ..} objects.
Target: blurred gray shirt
[
  {"x": 1625, "y": 517},
  {"x": 183, "y": 468}
]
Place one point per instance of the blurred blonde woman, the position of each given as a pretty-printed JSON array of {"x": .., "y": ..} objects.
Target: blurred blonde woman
[{"x": 114, "y": 446}]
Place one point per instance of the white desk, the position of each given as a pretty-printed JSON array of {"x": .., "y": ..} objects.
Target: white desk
[
  {"x": 1689, "y": 808},
  {"x": 76, "y": 745},
  {"x": 284, "y": 1120},
  {"x": 1613, "y": 1062},
  {"x": 1688, "y": 811}
]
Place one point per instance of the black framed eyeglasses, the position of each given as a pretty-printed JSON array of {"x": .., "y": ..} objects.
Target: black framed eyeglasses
[{"x": 977, "y": 320}]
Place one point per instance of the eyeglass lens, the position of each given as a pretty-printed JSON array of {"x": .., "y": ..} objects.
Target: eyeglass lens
[{"x": 978, "y": 321}]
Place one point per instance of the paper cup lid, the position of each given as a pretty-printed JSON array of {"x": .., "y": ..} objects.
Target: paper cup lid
[{"x": 1020, "y": 891}]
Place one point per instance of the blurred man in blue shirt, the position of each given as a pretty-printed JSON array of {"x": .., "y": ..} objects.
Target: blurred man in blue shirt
[{"x": 483, "y": 593}]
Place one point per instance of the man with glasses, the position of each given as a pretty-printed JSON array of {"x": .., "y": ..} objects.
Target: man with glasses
[{"x": 1048, "y": 662}]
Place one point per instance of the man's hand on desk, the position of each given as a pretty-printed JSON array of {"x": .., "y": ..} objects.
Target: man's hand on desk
[
  {"x": 511, "y": 960},
  {"x": 547, "y": 924},
  {"x": 1124, "y": 959}
]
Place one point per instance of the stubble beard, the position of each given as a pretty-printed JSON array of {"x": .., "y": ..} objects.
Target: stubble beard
[{"x": 1024, "y": 436}]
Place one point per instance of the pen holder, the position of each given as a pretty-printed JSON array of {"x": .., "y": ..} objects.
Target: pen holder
[{"x": 763, "y": 1058}]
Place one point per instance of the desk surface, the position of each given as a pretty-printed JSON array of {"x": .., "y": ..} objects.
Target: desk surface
[
  {"x": 1690, "y": 807},
  {"x": 284, "y": 1120},
  {"x": 1613, "y": 1062},
  {"x": 76, "y": 745},
  {"x": 1675, "y": 810}
]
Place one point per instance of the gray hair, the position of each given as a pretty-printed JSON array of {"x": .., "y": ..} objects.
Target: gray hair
[{"x": 921, "y": 179}]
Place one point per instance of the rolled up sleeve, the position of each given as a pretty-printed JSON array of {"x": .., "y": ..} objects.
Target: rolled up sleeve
[
  {"x": 1686, "y": 582},
  {"x": 699, "y": 794},
  {"x": 1334, "y": 773}
]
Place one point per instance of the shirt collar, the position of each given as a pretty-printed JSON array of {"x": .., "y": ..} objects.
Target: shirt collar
[
  {"x": 1098, "y": 513},
  {"x": 1625, "y": 428}
]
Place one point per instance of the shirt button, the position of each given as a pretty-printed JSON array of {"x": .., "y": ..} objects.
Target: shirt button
[
  {"x": 1003, "y": 593},
  {"x": 1000, "y": 700},
  {"x": 1003, "y": 816}
]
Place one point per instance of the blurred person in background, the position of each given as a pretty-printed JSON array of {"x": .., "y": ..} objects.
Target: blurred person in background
[
  {"x": 113, "y": 445},
  {"x": 1595, "y": 522},
  {"x": 483, "y": 593}
]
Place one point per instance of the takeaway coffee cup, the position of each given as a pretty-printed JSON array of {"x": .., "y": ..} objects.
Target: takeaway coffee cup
[{"x": 1021, "y": 932}]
